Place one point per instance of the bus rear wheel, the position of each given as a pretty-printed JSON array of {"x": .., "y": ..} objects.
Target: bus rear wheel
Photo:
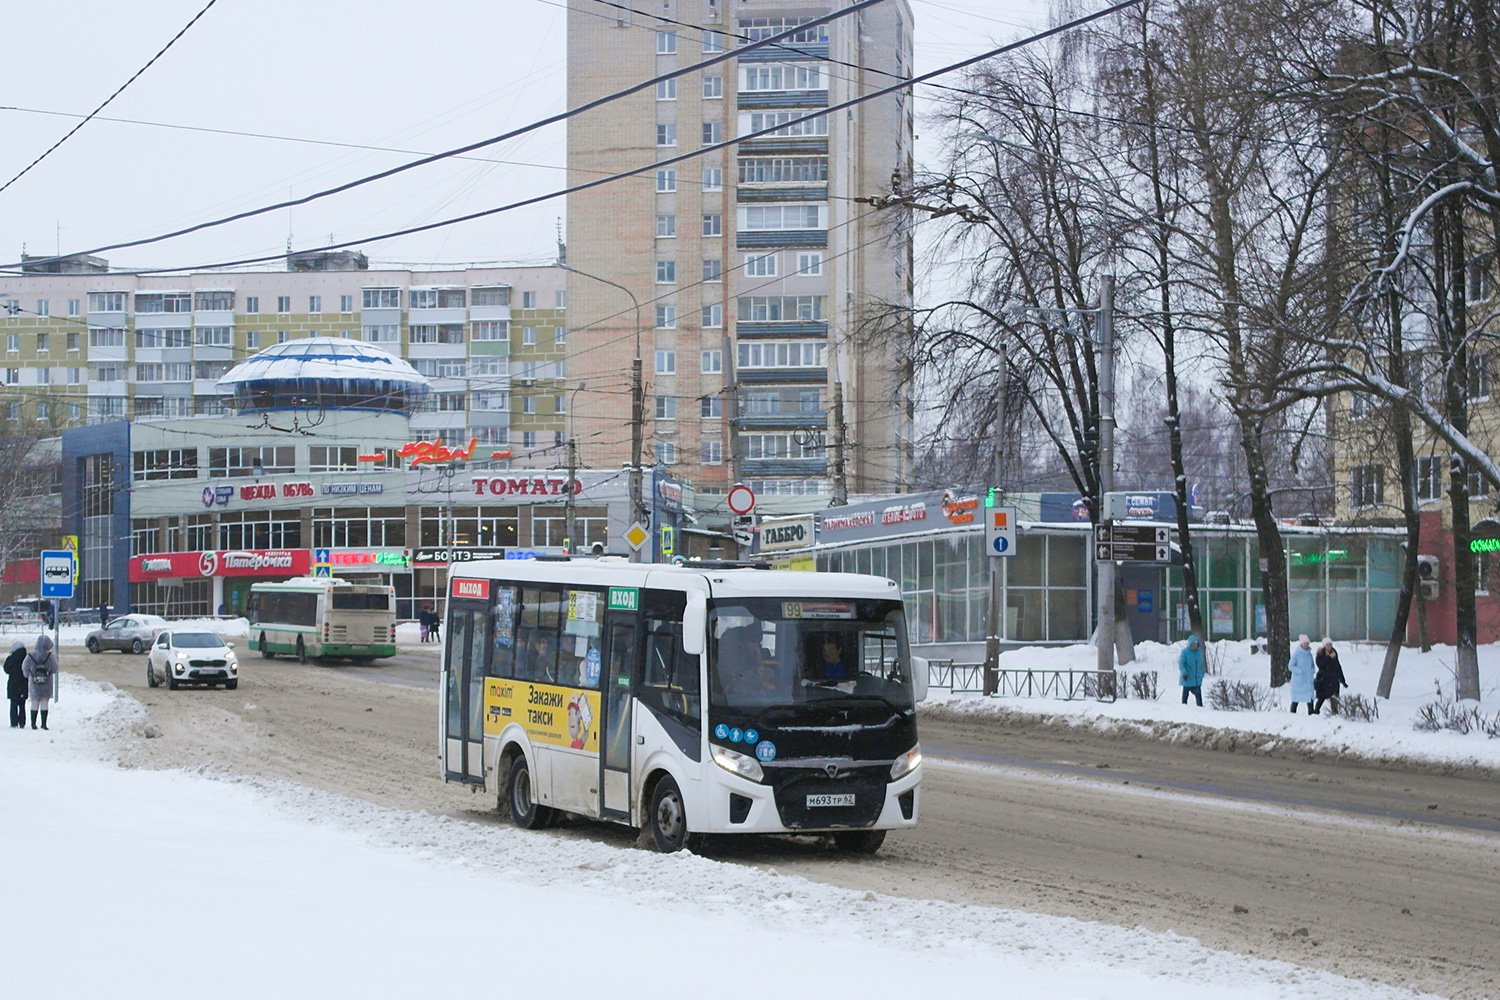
[
  {"x": 668, "y": 819},
  {"x": 859, "y": 841},
  {"x": 521, "y": 795},
  {"x": 265, "y": 651}
]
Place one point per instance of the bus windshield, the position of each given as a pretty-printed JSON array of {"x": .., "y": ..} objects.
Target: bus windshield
[
  {"x": 771, "y": 652},
  {"x": 346, "y": 601}
]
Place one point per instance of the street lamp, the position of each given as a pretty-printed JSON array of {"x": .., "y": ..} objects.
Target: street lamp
[
  {"x": 571, "y": 525},
  {"x": 637, "y": 403}
]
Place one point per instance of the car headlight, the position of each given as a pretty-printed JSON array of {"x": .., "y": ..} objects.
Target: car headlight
[
  {"x": 907, "y": 762},
  {"x": 737, "y": 763},
  {"x": 181, "y": 655}
]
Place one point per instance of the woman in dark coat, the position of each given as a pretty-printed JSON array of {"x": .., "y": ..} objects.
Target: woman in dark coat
[
  {"x": 1330, "y": 677},
  {"x": 15, "y": 684}
]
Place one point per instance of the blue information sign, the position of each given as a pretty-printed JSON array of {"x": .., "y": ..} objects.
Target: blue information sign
[{"x": 57, "y": 573}]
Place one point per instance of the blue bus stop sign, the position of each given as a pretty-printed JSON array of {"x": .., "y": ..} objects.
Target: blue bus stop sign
[{"x": 57, "y": 573}]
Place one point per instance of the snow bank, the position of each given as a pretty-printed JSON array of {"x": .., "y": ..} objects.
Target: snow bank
[
  {"x": 167, "y": 883},
  {"x": 1419, "y": 678}
]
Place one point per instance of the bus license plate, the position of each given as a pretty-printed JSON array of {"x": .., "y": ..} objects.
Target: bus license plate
[{"x": 813, "y": 801}]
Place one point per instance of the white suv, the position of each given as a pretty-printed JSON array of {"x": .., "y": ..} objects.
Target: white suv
[{"x": 192, "y": 658}]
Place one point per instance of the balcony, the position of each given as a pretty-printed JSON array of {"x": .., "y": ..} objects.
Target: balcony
[
  {"x": 755, "y": 239},
  {"x": 785, "y": 418},
  {"x": 771, "y": 192},
  {"x": 803, "y": 328},
  {"x": 802, "y": 376},
  {"x": 786, "y": 52},
  {"x": 785, "y": 467},
  {"x": 782, "y": 98}
]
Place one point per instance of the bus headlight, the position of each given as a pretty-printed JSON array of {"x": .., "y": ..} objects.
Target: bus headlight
[
  {"x": 737, "y": 763},
  {"x": 907, "y": 762}
]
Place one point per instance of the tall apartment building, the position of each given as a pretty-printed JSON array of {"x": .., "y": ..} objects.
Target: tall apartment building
[
  {"x": 84, "y": 344},
  {"x": 754, "y": 271}
]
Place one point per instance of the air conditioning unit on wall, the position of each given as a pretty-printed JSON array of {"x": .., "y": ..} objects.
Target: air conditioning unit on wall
[{"x": 1427, "y": 577}]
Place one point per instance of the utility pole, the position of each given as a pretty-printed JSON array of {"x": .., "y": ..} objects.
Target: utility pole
[
  {"x": 1105, "y": 636},
  {"x": 840, "y": 476},
  {"x": 732, "y": 401},
  {"x": 571, "y": 525},
  {"x": 992, "y": 624},
  {"x": 637, "y": 430}
]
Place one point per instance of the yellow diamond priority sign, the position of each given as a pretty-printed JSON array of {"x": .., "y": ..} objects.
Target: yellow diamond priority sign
[{"x": 637, "y": 535}]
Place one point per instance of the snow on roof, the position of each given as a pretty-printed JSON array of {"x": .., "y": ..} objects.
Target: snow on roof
[{"x": 321, "y": 358}]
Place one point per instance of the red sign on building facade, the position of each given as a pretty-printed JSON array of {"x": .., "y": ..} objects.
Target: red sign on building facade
[{"x": 228, "y": 562}]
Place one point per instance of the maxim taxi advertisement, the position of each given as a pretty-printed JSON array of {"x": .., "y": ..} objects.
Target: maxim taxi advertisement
[{"x": 552, "y": 716}]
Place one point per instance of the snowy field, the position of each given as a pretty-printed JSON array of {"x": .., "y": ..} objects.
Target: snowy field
[
  {"x": 170, "y": 883},
  {"x": 1419, "y": 679}
]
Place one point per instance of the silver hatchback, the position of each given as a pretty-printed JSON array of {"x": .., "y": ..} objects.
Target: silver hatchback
[{"x": 133, "y": 633}]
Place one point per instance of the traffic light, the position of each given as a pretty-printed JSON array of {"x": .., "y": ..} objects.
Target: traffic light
[{"x": 991, "y": 497}]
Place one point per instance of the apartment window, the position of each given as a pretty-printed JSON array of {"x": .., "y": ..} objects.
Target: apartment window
[
  {"x": 1365, "y": 486},
  {"x": 164, "y": 338},
  {"x": 346, "y": 303},
  {"x": 560, "y": 404},
  {"x": 211, "y": 371},
  {"x": 713, "y": 86},
  {"x": 666, "y": 90},
  {"x": 252, "y": 303},
  {"x": 713, "y": 224},
  {"x": 283, "y": 304},
  {"x": 13, "y": 343},
  {"x": 43, "y": 307},
  {"x": 1477, "y": 485},
  {"x": 106, "y": 302},
  {"x": 666, "y": 272},
  {"x": 713, "y": 316},
  {"x": 332, "y": 458},
  {"x": 755, "y": 29},
  {"x": 488, "y": 366},
  {"x": 713, "y": 269},
  {"x": 783, "y": 123},
  {"x": 73, "y": 306},
  {"x": 492, "y": 401},
  {"x": 72, "y": 341},
  {"x": 490, "y": 329},
  {"x": 423, "y": 298},
  {"x": 374, "y": 333},
  {"x": 220, "y": 301},
  {"x": 497, "y": 296},
  {"x": 1479, "y": 377},
  {"x": 436, "y": 333},
  {"x": 760, "y": 265},
  {"x": 559, "y": 335},
  {"x": 560, "y": 298},
  {"x": 75, "y": 411},
  {"x": 163, "y": 302},
  {"x": 75, "y": 376},
  {"x": 42, "y": 340},
  {"x": 782, "y": 446},
  {"x": 711, "y": 452},
  {"x": 782, "y": 308},
  {"x": 666, "y": 317},
  {"x": 315, "y": 304},
  {"x": 528, "y": 439},
  {"x": 44, "y": 411},
  {"x": 713, "y": 132},
  {"x": 781, "y": 354},
  {"x": 157, "y": 372},
  {"x": 666, "y": 407},
  {"x": 713, "y": 41},
  {"x": 666, "y": 453},
  {"x": 164, "y": 463},
  {"x": 666, "y": 43},
  {"x": 106, "y": 336},
  {"x": 710, "y": 407},
  {"x": 13, "y": 411},
  {"x": 1429, "y": 478},
  {"x": 763, "y": 217},
  {"x": 666, "y": 134},
  {"x": 528, "y": 336},
  {"x": 666, "y": 362},
  {"x": 528, "y": 300},
  {"x": 12, "y": 376},
  {"x": 282, "y": 336},
  {"x": 666, "y": 181},
  {"x": 252, "y": 339},
  {"x": 442, "y": 367},
  {"x": 809, "y": 263},
  {"x": 712, "y": 361},
  {"x": 213, "y": 336},
  {"x": 666, "y": 226},
  {"x": 377, "y": 298},
  {"x": 783, "y": 76},
  {"x": 713, "y": 178}
]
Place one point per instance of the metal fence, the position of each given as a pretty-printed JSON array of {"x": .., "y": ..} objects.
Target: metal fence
[{"x": 1063, "y": 685}]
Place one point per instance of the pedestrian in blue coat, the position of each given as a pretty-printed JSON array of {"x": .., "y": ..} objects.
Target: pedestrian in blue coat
[
  {"x": 1190, "y": 670},
  {"x": 1302, "y": 674}
]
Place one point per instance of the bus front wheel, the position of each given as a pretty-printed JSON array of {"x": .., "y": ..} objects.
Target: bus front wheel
[
  {"x": 265, "y": 651},
  {"x": 524, "y": 810},
  {"x": 668, "y": 819},
  {"x": 859, "y": 841}
]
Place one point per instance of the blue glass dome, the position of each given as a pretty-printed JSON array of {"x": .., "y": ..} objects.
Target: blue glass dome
[{"x": 328, "y": 373}]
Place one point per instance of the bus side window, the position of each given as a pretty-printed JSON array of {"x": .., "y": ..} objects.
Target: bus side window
[
  {"x": 502, "y": 656},
  {"x": 536, "y": 636},
  {"x": 670, "y": 681}
]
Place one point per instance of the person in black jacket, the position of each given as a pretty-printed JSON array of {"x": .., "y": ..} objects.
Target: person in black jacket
[
  {"x": 1330, "y": 677},
  {"x": 15, "y": 684}
]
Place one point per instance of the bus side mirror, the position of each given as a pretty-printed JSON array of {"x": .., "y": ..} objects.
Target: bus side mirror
[
  {"x": 694, "y": 622},
  {"x": 919, "y": 678}
]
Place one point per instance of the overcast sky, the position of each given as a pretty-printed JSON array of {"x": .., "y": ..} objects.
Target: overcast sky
[{"x": 409, "y": 77}]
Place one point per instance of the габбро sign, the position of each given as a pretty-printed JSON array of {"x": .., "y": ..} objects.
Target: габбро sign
[{"x": 786, "y": 533}]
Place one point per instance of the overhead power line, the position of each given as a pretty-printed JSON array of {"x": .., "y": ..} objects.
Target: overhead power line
[
  {"x": 118, "y": 91},
  {"x": 460, "y": 150}
]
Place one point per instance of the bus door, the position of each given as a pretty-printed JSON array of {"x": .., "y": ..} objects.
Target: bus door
[
  {"x": 621, "y": 657},
  {"x": 463, "y": 697}
]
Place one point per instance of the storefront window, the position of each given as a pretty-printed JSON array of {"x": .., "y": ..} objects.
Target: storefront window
[{"x": 358, "y": 527}]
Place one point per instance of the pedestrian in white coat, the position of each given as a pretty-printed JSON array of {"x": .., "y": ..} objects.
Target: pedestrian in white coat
[
  {"x": 41, "y": 669},
  {"x": 1302, "y": 674}
]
